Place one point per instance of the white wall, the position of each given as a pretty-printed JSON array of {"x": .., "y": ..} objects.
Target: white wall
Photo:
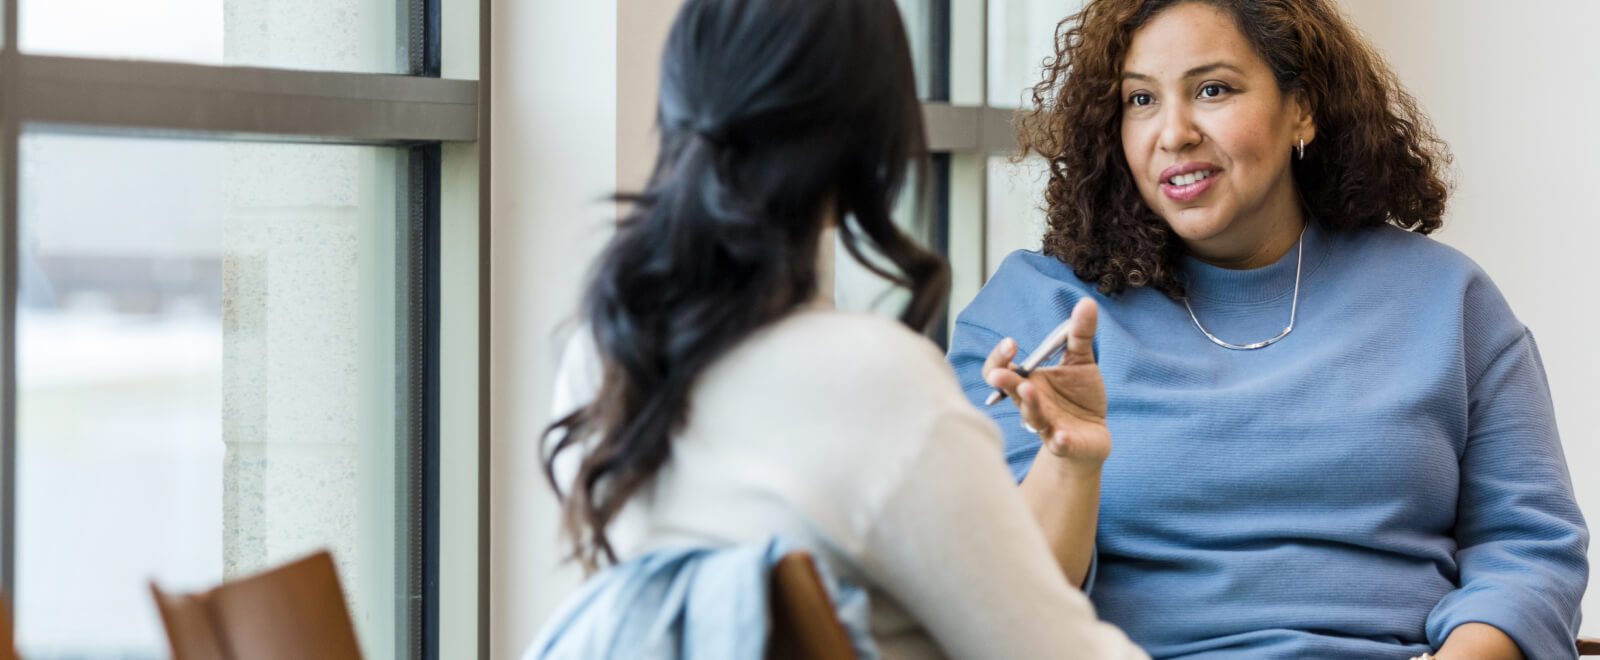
[
  {"x": 1512, "y": 89},
  {"x": 553, "y": 68},
  {"x": 574, "y": 121}
]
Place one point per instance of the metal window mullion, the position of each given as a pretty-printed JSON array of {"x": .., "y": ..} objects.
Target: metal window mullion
[
  {"x": 240, "y": 101},
  {"x": 968, "y": 128},
  {"x": 431, "y": 29},
  {"x": 939, "y": 50},
  {"x": 418, "y": 470},
  {"x": 939, "y": 237},
  {"x": 412, "y": 392},
  {"x": 429, "y": 517},
  {"x": 10, "y": 129},
  {"x": 485, "y": 224},
  {"x": 951, "y": 127},
  {"x": 985, "y": 130}
]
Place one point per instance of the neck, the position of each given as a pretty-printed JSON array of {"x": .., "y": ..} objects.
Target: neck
[
  {"x": 824, "y": 297},
  {"x": 1270, "y": 244},
  {"x": 830, "y": 220}
]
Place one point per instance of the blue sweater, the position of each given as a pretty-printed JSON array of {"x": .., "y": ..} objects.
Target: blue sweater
[{"x": 1387, "y": 472}]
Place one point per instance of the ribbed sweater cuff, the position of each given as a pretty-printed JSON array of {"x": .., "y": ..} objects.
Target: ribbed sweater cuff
[{"x": 1538, "y": 627}]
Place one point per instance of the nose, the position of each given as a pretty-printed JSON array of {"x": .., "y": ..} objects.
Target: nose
[{"x": 1179, "y": 132}]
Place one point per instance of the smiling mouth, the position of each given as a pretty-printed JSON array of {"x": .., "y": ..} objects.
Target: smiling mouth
[
  {"x": 1190, "y": 178},
  {"x": 1188, "y": 187}
]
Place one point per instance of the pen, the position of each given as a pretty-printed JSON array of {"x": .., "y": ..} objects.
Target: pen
[{"x": 1052, "y": 343}]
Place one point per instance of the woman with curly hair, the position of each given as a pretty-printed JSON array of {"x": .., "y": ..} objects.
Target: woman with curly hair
[{"x": 1333, "y": 437}]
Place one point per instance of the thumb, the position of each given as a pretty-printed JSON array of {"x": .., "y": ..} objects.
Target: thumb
[{"x": 1080, "y": 333}]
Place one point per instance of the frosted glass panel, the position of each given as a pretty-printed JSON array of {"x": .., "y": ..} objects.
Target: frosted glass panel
[{"x": 1021, "y": 36}]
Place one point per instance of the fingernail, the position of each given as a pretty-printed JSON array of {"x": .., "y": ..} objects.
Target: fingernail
[{"x": 1008, "y": 343}]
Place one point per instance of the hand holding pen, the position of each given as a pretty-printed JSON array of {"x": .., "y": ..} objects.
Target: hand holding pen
[
  {"x": 1065, "y": 401},
  {"x": 1053, "y": 342}
]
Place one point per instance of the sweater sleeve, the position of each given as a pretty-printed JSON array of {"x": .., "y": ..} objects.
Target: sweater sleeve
[
  {"x": 1521, "y": 541},
  {"x": 969, "y": 347},
  {"x": 954, "y": 543}
]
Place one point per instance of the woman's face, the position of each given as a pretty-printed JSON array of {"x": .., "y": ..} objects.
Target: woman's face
[{"x": 1209, "y": 137}]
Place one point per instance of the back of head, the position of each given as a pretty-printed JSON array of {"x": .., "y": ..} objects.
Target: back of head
[{"x": 777, "y": 117}]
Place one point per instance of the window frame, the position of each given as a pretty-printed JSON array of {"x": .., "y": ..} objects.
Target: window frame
[
  {"x": 963, "y": 131},
  {"x": 439, "y": 113}
]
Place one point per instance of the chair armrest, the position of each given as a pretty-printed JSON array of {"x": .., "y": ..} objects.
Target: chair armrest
[{"x": 1588, "y": 646}]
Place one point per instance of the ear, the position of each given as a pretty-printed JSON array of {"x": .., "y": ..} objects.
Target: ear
[{"x": 1304, "y": 117}]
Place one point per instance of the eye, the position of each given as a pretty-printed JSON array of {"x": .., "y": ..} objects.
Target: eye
[
  {"x": 1141, "y": 99},
  {"x": 1213, "y": 90}
]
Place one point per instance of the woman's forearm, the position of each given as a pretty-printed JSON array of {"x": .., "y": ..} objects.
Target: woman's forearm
[
  {"x": 1478, "y": 641},
  {"x": 1065, "y": 499}
]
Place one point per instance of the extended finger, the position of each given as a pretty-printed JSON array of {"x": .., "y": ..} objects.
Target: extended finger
[
  {"x": 1005, "y": 379},
  {"x": 1080, "y": 333},
  {"x": 1000, "y": 355}
]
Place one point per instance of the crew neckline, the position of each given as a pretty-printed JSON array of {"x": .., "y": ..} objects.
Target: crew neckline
[{"x": 1276, "y": 280}]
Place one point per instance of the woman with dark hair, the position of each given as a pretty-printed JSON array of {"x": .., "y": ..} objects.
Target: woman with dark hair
[
  {"x": 714, "y": 399},
  {"x": 1333, "y": 437}
]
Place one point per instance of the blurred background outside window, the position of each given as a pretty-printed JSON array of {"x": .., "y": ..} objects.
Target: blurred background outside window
[{"x": 224, "y": 341}]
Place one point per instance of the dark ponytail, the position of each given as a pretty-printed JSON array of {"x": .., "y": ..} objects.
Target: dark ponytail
[{"x": 774, "y": 115}]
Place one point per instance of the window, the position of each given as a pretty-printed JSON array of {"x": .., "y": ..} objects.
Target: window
[
  {"x": 242, "y": 312},
  {"x": 1021, "y": 35},
  {"x": 225, "y": 374},
  {"x": 369, "y": 36},
  {"x": 974, "y": 60}
]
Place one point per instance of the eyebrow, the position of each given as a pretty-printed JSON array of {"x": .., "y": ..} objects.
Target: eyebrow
[{"x": 1197, "y": 71}]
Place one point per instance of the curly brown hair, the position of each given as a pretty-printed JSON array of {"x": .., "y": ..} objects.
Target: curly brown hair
[{"x": 1377, "y": 159}]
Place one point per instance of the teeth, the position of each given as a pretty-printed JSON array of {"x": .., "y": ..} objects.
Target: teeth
[{"x": 1190, "y": 178}]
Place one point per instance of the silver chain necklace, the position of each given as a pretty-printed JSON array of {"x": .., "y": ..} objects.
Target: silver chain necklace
[{"x": 1293, "y": 306}]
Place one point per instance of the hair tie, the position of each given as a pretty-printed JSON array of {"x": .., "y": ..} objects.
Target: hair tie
[{"x": 709, "y": 131}]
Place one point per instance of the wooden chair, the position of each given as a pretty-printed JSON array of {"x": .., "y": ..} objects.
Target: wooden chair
[
  {"x": 8, "y": 640},
  {"x": 1588, "y": 646},
  {"x": 804, "y": 624},
  {"x": 294, "y": 611}
]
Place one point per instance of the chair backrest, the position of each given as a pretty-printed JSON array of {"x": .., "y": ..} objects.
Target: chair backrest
[
  {"x": 294, "y": 611},
  {"x": 8, "y": 639},
  {"x": 804, "y": 624}
]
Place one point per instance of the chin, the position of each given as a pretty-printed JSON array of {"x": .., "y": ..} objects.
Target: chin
[{"x": 1195, "y": 225}]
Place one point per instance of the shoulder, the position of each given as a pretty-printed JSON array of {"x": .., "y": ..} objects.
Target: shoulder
[
  {"x": 1410, "y": 257},
  {"x": 850, "y": 349},
  {"x": 1441, "y": 284},
  {"x": 1026, "y": 283},
  {"x": 1433, "y": 269},
  {"x": 1410, "y": 252},
  {"x": 859, "y": 384},
  {"x": 1434, "y": 277},
  {"x": 1026, "y": 297}
]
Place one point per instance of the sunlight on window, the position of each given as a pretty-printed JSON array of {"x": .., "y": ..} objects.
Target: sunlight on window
[{"x": 207, "y": 345}]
